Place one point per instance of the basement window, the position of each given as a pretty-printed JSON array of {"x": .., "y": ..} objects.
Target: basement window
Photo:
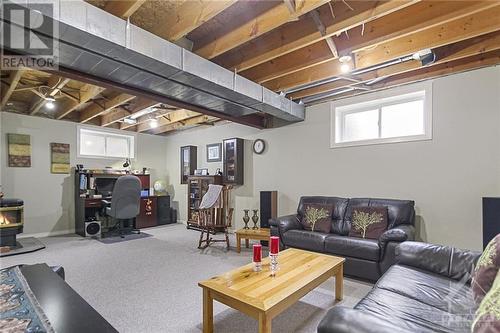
[
  {"x": 399, "y": 115},
  {"x": 105, "y": 144}
]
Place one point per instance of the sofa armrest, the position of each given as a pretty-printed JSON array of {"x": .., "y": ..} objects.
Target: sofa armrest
[
  {"x": 346, "y": 320},
  {"x": 443, "y": 260},
  {"x": 398, "y": 234},
  {"x": 288, "y": 222}
]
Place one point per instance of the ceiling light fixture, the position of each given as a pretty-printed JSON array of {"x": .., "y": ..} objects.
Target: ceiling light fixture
[
  {"x": 50, "y": 105},
  {"x": 130, "y": 121},
  {"x": 153, "y": 123},
  {"x": 50, "y": 99},
  {"x": 345, "y": 66}
]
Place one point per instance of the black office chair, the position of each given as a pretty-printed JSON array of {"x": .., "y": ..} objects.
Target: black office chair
[{"x": 125, "y": 203}]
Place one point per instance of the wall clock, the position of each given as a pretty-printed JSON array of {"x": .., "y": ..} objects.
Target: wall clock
[{"x": 258, "y": 146}]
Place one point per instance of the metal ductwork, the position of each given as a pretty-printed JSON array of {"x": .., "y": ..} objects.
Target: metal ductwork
[{"x": 95, "y": 42}]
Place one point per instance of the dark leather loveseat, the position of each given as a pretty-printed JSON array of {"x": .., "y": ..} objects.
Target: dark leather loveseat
[
  {"x": 428, "y": 290},
  {"x": 365, "y": 258}
]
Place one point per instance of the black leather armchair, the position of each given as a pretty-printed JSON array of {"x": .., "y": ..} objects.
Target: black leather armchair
[
  {"x": 428, "y": 290},
  {"x": 365, "y": 258}
]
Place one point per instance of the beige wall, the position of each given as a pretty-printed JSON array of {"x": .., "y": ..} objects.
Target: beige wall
[
  {"x": 49, "y": 198},
  {"x": 446, "y": 176}
]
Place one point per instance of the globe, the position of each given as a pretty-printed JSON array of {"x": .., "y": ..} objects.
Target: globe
[{"x": 160, "y": 186}]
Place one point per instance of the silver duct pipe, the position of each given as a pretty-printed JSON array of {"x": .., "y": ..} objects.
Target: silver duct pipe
[{"x": 98, "y": 43}]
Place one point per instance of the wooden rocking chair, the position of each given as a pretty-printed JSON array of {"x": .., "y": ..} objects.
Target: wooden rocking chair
[{"x": 215, "y": 218}]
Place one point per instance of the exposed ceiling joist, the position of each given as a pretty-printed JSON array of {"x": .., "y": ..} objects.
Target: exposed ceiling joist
[
  {"x": 454, "y": 31},
  {"x": 322, "y": 30},
  {"x": 123, "y": 8},
  {"x": 290, "y": 4},
  {"x": 260, "y": 25},
  {"x": 457, "y": 51},
  {"x": 469, "y": 26},
  {"x": 55, "y": 84},
  {"x": 399, "y": 24},
  {"x": 96, "y": 109},
  {"x": 189, "y": 16},
  {"x": 185, "y": 123},
  {"x": 120, "y": 114},
  {"x": 300, "y": 34},
  {"x": 86, "y": 93},
  {"x": 167, "y": 120},
  {"x": 14, "y": 78}
]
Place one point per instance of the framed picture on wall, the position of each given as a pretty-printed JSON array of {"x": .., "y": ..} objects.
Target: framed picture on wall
[{"x": 214, "y": 152}]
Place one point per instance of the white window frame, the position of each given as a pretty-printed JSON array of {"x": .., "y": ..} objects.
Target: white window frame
[
  {"x": 377, "y": 100},
  {"x": 106, "y": 132}
]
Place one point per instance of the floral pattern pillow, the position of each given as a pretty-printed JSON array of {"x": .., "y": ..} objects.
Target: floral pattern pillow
[
  {"x": 487, "y": 318},
  {"x": 317, "y": 217},
  {"x": 486, "y": 269}
]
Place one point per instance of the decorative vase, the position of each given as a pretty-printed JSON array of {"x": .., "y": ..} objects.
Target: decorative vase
[
  {"x": 255, "y": 219},
  {"x": 246, "y": 218}
]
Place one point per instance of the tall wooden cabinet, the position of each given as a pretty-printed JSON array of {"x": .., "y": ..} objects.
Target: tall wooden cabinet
[
  {"x": 197, "y": 187},
  {"x": 188, "y": 162},
  {"x": 232, "y": 161}
]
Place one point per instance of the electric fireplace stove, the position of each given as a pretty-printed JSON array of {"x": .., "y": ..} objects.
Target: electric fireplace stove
[{"x": 11, "y": 221}]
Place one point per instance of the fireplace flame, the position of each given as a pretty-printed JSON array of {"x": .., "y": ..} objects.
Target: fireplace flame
[{"x": 4, "y": 220}]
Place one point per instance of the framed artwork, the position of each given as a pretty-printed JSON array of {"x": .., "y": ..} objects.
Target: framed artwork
[
  {"x": 19, "y": 150},
  {"x": 59, "y": 158},
  {"x": 214, "y": 152}
]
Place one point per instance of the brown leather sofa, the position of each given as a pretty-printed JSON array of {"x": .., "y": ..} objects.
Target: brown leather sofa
[
  {"x": 427, "y": 290},
  {"x": 365, "y": 258}
]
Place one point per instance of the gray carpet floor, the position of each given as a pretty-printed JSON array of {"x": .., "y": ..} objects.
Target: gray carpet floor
[{"x": 150, "y": 284}]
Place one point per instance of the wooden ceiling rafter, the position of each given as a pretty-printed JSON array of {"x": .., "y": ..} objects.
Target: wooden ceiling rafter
[
  {"x": 263, "y": 23},
  {"x": 95, "y": 110},
  {"x": 86, "y": 93},
  {"x": 165, "y": 122},
  {"x": 14, "y": 78},
  {"x": 200, "y": 119},
  {"x": 123, "y": 8},
  {"x": 55, "y": 85},
  {"x": 122, "y": 113},
  {"x": 297, "y": 35}
]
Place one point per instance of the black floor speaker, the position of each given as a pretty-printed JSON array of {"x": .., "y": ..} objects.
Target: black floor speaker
[
  {"x": 164, "y": 214},
  {"x": 268, "y": 207},
  {"x": 491, "y": 219}
]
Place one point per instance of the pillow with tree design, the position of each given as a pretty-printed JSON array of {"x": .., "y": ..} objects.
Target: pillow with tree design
[
  {"x": 368, "y": 222},
  {"x": 487, "y": 319},
  {"x": 486, "y": 269},
  {"x": 317, "y": 217}
]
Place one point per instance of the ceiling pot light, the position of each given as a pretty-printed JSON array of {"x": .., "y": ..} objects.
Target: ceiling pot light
[{"x": 153, "y": 123}]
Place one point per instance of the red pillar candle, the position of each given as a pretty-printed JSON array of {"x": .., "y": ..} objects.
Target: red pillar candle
[
  {"x": 257, "y": 253},
  {"x": 275, "y": 245}
]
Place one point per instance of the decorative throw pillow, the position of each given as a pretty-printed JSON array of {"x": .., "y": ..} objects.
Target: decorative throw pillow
[
  {"x": 368, "y": 222},
  {"x": 317, "y": 217},
  {"x": 487, "y": 318},
  {"x": 486, "y": 269}
]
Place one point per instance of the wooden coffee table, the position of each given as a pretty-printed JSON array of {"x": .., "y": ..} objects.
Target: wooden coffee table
[
  {"x": 262, "y": 296},
  {"x": 247, "y": 234}
]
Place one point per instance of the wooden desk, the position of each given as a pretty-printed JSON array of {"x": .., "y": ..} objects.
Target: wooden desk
[
  {"x": 263, "y": 297},
  {"x": 247, "y": 234}
]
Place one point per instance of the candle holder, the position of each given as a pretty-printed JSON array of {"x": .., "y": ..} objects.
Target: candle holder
[
  {"x": 257, "y": 257},
  {"x": 274, "y": 263}
]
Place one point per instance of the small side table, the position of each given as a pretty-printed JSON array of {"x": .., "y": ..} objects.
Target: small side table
[{"x": 247, "y": 234}]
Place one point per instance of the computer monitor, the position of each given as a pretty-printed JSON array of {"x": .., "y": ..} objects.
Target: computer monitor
[{"x": 105, "y": 186}]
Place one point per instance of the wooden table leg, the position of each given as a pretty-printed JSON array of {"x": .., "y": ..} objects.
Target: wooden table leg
[
  {"x": 238, "y": 243},
  {"x": 264, "y": 323},
  {"x": 247, "y": 243},
  {"x": 208, "y": 312},
  {"x": 339, "y": 283}
]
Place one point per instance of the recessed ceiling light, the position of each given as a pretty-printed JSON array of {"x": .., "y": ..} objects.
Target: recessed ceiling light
[{"x": 153, "y": 123}]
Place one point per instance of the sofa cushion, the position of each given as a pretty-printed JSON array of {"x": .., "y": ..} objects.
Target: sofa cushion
[
  {"x": 398, "y": 211},
  {"x": 368, "y": 222},
  {"x": 339, "y": 206},
  {"x": 353, "y": 247},
  {"x": 411, "y": 314},
  {"x": 432, "y": 289},
  {"x": 317, "y": 217},
  {"x": 486, "y": 269},
  {"x": 307, "y": 240}
]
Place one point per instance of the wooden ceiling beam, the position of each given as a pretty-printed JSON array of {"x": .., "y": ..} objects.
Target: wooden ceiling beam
[
  {"x": 120, "y": 114},
  {"x": 86, "y": 93},
  {"x": 167, "y": 120},
  {"x": 464, "y": 49},
  {"x": 398, "y": 24},
  {"x": 265, "y": 22},
  {"x": 123, "y": 8},
  {"x": 290, "y": 4},
  {"x": 56, "y": 84},
  {"x": 14, "y": 78},
  {"x": 95, "y": 110},
  {"x": 189, "y": 16},
  {"x": 469, "y": 26},
  {"x": 184, "y": 123},
  {"x": 296, "y": 35},
  {"x": 454, "y": 31}
]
